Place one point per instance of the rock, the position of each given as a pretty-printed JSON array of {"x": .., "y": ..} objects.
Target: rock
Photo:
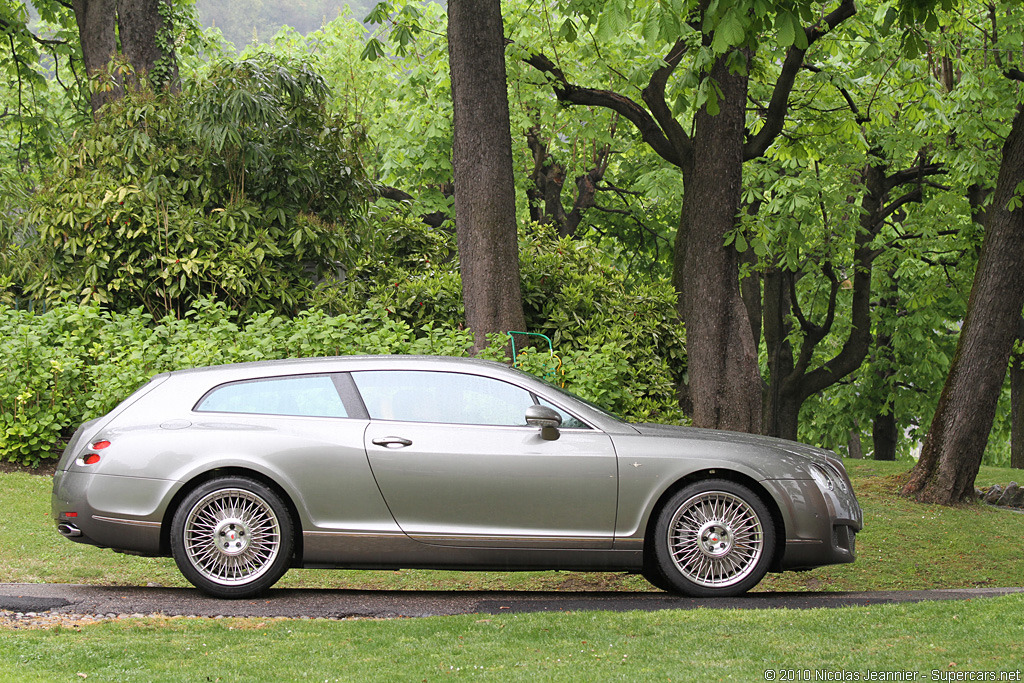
[
  {"x": 994, "y": 492},
  {"x": 1018, "y": 500},
  {"x": 1008, "y": 493}
]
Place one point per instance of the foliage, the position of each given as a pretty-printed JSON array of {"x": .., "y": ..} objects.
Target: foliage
[
  {"x": 241, "y": 187},
  {"x": 73, "y": 363},
  {"x": 619, "y": 339},
  {"x": 950, "y": 105}
]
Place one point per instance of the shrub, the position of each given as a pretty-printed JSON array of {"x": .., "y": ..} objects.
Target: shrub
[{"x": 241, "y": 187}]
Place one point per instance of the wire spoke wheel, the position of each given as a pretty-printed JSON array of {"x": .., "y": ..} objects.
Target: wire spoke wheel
[
  {"x": 232, "y": 537},
  {"x": 715, "y": 538}
]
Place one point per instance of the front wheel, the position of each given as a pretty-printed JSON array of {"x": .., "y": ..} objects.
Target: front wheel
[
  {"x": 232, "y": 537},
  {"x": 714, "y": 538}
]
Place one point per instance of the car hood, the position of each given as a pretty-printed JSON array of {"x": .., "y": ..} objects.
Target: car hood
[{"x": 782, "y": 446}]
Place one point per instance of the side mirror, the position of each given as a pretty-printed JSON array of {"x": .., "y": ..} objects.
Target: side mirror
[
  {"x": 546, "y": 418},
  {"x": 543, "y": 416}
]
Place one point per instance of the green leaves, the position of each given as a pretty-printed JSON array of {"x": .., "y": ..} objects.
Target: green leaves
[
  {"x": 242, "y": 187},
  {"x": 73, "y": 363}
]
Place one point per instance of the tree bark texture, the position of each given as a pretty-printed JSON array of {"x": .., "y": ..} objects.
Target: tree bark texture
[
  {"x": 95, "y": 19},
  {"x": 884, "y": 429},
  {"x": 959, "y": 432},
  {"x": 1017, "y": 404},
  {"x": 485, "y": 211},
  {"x": 725, "y": 381},
  {"x": 139, "y": 23}
]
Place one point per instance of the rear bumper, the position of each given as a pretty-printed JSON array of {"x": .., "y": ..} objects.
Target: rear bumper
[{"x": 82, "y": 510}]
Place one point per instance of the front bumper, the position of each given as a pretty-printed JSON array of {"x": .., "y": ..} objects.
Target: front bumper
[{"x": 821, "y": 526}]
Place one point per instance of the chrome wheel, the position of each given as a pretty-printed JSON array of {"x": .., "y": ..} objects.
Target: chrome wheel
[
  {"x": 231, "y": 537},
  {"x": 714, "y": 537}
]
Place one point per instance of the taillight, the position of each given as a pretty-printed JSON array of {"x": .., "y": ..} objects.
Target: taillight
[{"x": 92, "y": 458}]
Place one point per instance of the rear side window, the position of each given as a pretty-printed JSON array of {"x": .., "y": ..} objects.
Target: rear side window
[{"x": 300, "y": 396}]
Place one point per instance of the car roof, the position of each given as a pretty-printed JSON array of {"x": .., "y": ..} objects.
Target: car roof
[{"x": 344, "y": 364}]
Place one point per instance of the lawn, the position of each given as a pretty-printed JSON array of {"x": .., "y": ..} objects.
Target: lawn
[{"x": 904, "y": 545}]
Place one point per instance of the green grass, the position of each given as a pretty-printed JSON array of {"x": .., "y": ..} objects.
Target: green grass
[
  {"x": 904, "y": 545},
  {"x": 700, "y": 645}
]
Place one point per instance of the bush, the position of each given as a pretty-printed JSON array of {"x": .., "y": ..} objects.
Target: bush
[
  {"x": 620, "y": 342},
  {"x": 241, "y": 187},
  {"x": 73, "y": 363}
]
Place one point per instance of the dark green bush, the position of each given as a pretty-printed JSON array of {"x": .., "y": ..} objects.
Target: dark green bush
[{"x": 242, "y": 187}]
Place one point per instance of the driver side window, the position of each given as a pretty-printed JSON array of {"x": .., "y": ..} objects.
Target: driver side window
[{"x": 442, "y": 397}]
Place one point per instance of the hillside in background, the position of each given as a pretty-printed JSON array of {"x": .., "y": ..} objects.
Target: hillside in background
[{"x": 247, "y": 21}]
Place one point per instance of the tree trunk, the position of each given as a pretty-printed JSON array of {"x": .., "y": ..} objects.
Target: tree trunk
[
  {"x": 959, "y": 431},
  {"x": 884, "y": 430},
  {"x": 1017, "y": 405},
  {"x": 724, "y": 378},
  {"x": 95, "y": 19},
  {"x": 485, "y": 211},
  {"x": 139, "y": 24}
]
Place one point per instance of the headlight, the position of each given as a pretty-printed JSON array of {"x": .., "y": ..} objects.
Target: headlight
[{"x": 823, "y": 477}]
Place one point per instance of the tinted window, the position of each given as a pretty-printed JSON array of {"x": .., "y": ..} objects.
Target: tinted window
[
  {"x": 444, "y": 397},
  {"x": 306, "y": 396}
]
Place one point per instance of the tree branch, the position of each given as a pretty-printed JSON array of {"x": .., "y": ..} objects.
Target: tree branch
[
  {"x": 654, "y": 96},
  {"x": 915, "y": 174},
  {"x": 857, "y": 116},
  {"x": 778, "y": 107},
  {"x": 569, "y": 93}
]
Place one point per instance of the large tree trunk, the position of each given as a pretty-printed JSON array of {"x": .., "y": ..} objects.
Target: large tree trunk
[
  {"x": 1017, "y": 405},
  {"x": 724, "y": 378},
  {"x": 485, "y": 211},
  {"x": 95, "y": 19},
  {"x": 139, "y": 24},
  {"x": 959, "y": 431}
]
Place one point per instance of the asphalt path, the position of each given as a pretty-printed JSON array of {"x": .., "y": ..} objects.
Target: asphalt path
[{"x": 339, "y": 604}]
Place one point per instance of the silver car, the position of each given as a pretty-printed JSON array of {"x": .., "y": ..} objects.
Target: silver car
[{"x": 242, "y": 471}]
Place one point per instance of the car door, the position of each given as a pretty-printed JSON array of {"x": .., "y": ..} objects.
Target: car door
[{"x": 457, "y": 464}]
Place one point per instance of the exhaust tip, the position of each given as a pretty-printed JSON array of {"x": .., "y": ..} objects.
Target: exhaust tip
[{"x": 69, "y": 530}]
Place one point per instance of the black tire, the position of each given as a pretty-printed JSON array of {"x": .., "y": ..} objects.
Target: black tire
[
  {"x": 232, "y": 537},
  {"x": 714, "y": 538},
  {"x": 657, "y": 579}
]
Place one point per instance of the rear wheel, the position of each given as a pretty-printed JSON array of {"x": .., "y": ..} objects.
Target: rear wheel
[
  {"x": 232, "y": 537},
  {"x": 713, "y": 538}
]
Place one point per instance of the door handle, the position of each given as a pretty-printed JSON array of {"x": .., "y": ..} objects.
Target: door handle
[{"x": 392, "y": 442}]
